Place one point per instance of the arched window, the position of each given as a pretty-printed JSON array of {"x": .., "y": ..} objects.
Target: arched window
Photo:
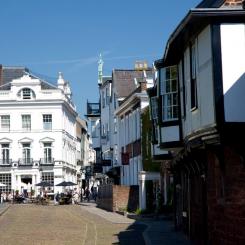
[{"x": 26, "y": 94}]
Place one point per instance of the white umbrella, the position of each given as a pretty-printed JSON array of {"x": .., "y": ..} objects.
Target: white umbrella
[{"x": 1, "y": 185}]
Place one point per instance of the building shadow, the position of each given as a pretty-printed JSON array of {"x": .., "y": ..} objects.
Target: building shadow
[{"x": 132, "y": 235}]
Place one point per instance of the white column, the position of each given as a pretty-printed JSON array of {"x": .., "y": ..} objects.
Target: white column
[
  {"x": 142, "y": 196},
  {"x": 13, "y": 181}
]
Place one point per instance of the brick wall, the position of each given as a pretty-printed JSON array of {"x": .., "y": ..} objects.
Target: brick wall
[
  {"x": 116, "y": 197},
  {"x": 104, "y": 199},
  {"x": 226, "y": 198}
]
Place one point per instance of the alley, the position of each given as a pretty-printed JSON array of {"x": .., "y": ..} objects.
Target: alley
[{"x": 50, "y": 225}]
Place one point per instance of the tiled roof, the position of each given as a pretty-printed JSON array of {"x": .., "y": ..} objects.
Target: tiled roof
[
  {"x": 11, "y": 73},
  {"x": 124, "y": 81}
]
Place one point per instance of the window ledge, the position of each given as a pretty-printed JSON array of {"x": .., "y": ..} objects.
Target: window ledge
[{"x": 194, "y": 109}]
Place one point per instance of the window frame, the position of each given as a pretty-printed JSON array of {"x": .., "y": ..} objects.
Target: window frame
[
  {"x": 169, "y": 94},
  {"x": 26, "y": 93},
  {"x": 5, "y": 153},
  {"x": 5, "y": 126},
  {"x": 47, "y": 152},
  {"x": 26, "y": 124},
  {"x": 193, "y": 76},
  {"x": 154, "y": 107},
  {"x": 115, "y": 122},
  {"x": 47, "y": 125},
  {"x": 26, "y": 153}
]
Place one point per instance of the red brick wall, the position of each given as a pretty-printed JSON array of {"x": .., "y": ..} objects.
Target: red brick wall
[
  {"x": 226, "y": 198},
  {"x": 115, "y": 197}
]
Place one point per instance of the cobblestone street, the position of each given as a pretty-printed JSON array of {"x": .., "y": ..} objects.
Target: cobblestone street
[{"x": 34, "y": 224}]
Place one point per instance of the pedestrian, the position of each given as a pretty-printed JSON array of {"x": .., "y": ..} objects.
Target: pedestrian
[
  {"x": 75, "y": 197},
  {"x": 4, "y": 197},
  {"x": 87, "y": 193},
  {"x": 82, "y": 194},
  {"x": 57, "y": 198},
  {"x": 1, "y": 197},
  {"x": 10, "y": 197},
  {"x": 95, "y": 193}
]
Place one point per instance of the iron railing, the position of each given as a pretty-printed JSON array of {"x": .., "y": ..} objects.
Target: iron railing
[
  {"x": 25, "y": 161},
  {"x": 48, "y": 161},
  {"x": 5, "y": 162}
]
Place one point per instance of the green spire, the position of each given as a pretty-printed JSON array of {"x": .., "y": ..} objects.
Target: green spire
[{"x": 100, "y": 70}]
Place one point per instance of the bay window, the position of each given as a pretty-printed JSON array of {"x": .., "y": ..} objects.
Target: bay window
[{"x": 169, "y": 93}]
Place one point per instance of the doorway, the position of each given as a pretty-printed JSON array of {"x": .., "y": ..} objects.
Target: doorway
[{"x": 26, "y": 185}]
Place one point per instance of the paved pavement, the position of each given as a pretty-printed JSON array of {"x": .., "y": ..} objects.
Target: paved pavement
[
  {"x": 30, "y": 224},
  {"x": 3, "y": 208},
  {"x": 82, "y": 224},
  {"x": 158, "y": 232}
]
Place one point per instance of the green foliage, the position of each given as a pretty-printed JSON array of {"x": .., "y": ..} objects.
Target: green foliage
[
  {"x": 139, "y": 211},
  {"x": 123, "y": 209},
  {"x": 148, "y": 163}
]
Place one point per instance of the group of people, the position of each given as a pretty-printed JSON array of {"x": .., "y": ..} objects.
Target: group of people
[
  {"x": 89, "y": 194},
  {"x": 5, "y": 197},
  {"x": 74, "y": 196},
  {"x": 70, "y": 196}
]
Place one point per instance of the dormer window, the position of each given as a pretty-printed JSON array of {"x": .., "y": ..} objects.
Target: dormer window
[{"x": 26, "y": 94}]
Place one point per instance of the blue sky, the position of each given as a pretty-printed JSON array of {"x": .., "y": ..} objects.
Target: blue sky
[{"x": 68, "y": 35}]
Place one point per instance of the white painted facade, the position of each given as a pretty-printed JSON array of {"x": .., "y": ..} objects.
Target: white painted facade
[
  {"x": 233, "y": 49},
  {"x": 129, "y": 131},
  {"x": 204, "y": 115},
  {"x": 38, "y": 134},
  {"x": 106, "y": 121}
]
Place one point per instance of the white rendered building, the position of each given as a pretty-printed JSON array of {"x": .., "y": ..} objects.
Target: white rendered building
[{"x": 37, "y": 132}]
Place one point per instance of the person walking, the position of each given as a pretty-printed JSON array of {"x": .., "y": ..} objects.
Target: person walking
[
  {"x": 1, "y": 197},
  {"x": 56, "y": 198},
  {"x": 87, "y": 193}
]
